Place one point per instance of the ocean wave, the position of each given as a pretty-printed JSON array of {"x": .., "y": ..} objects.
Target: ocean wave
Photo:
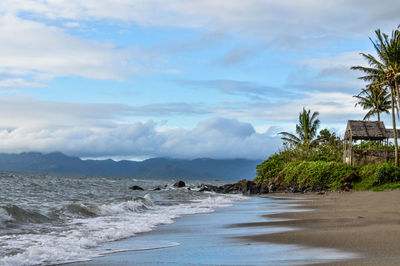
[
  {"x": 81, "y": 210},
  {"x": 16, "y": 214},
  {"x": 109, "y": 222},
  {"x": 5, "y": 218}
]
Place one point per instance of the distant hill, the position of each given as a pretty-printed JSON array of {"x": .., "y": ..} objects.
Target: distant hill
[{"x": 59, "y": 163}]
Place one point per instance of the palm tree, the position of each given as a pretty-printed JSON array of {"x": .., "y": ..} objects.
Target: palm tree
[
  {"x": 374, "y": 98},
  {"x": 385, "y": 71},
  {"x": 306, "y": 131}
]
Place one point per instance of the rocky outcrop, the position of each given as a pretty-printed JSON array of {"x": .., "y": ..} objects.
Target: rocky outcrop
[
  {"x": 180, "y": 184},
  {"x": 136, "y": 188},
  {"x": 252, "y": 188},
  {"x": 274, "y": 185},
  {"x": 245, "y": 187}
]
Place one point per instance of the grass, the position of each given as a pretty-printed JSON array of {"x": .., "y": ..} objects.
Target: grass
[{"x": 389, "y": 186}]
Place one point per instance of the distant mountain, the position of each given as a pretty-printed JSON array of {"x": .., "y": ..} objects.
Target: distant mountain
[{"x": 59, "y": 163}]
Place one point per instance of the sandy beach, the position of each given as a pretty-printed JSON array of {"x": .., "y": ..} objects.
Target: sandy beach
[
  {"x": 367, "y": 223},
  {"x": 210, "y": 239}
]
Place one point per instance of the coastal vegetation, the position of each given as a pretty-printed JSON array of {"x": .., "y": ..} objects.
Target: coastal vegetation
[
  {"x": 384, "y": 71},
  {"x": 375, "y": 99},
  {"x": 314, "y": 161},
  {"x": 319, "y": 166},
  {"x": 310, "y": 161}
]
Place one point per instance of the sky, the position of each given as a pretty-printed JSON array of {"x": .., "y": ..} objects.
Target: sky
[{"x": 135, "y": 79}]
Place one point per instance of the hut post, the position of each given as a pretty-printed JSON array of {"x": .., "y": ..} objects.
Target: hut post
[
  {"x": 351, "y": 150},
  {"x": 387, "y": 149}
]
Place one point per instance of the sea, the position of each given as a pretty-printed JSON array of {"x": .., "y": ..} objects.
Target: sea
[{"x": 53, "y": 219}]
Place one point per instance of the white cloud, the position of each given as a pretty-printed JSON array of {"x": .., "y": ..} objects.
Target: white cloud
[
  {"x": 98, "y": 130},
  {"x": 83, "y": 130},
  {"x": 72, "y": 24},
  {"x": 17, "y": 82},
  {"x": 33, "y": 48},
  {"x": 104, "y": 130},
  {"x": 334, "y": 107},
  {"x": 31, "y": 43},
  {"x": 328, "y": 73},
  {"x": 343, "y": 60},
  {"x": 30, "y": 112},
  {"x": 286, "y": 22},
  {"x": 33, "y": 52}
]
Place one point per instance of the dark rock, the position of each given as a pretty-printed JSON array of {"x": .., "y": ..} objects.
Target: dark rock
[
  {"x": 203, "y": 188},
  {"x": 189, "y": 188},
  {"x": 292, "y": 190},
  {"x": 136, "y": 188},
  {"x": 264, "y": 188},
  {"x": 180, "y": 184},
  {"x": 228, "y": 189},
  {"x": 317, "y": 188},
  {"x": 351, "y": 178},
  {"x": 272, "y": 187},
  {"x": 212, "y": 188},
  {"x": 157, "y": 188},
  {"x": 346, "y": 186},
  {"x": 244, "y": 186}
]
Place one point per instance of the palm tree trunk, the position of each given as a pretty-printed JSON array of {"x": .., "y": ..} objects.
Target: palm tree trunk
[
  {"x": 379, "y": 116},
  {"x": 397, "y": 96},
  {"x": 396, "y": 147}
]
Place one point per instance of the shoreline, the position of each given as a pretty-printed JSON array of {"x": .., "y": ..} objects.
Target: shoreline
[
  {"x": 366, "y": 223},
  {"x": 210, "y": 239}
]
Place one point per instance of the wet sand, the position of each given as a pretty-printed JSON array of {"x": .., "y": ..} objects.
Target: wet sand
[
  {"x": 367, "y": 223},
  {"x": 210, "y": 239}
]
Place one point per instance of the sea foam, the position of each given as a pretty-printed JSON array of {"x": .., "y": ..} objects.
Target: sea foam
[{"x": 109, "y": 222}]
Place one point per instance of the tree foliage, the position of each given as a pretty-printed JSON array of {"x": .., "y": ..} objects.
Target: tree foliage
[
  {"x": 385, "y": 71},
  {"x": 375, "y": 99},
  {"x": 306, "y": 131}
]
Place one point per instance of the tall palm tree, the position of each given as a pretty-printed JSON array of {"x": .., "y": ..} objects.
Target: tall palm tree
[
  {"x": 386, "y": 71},
  {"x": 374, "y": 98},
  {"x": 306, "y": 131}
]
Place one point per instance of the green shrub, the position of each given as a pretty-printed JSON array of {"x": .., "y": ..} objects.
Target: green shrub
[
  {"x": 317, "y": 173},
  {"x": 270, "y": 167},
  {"x": 367, "y": 177},
  {"x": 387, "y": 173}
]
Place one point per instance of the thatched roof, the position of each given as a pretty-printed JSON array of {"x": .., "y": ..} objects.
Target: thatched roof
[
  {"x": 366, "y": 130},
  {"x": 389, "y": 133}
]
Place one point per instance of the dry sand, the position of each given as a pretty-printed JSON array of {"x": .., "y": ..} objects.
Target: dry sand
[{"x": 364, "y": 222}]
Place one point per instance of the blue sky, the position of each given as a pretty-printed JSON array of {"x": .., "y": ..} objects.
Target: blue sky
[{"x": 136, "y": 79}]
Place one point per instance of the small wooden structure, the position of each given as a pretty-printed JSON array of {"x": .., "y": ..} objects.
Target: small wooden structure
[{"x": 359, "y": 130}]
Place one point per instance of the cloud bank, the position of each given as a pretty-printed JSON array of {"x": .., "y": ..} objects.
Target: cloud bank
[{"x": 98, "y": 130}]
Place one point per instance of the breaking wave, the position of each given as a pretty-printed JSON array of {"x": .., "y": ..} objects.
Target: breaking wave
[{"x": 86, "y": 226}]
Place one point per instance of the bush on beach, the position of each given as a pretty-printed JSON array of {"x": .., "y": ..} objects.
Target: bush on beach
[
  {"x": 317, "y": 173},
  {"x": 333, "y": 174},
  {"x": 387, "y": 173}
]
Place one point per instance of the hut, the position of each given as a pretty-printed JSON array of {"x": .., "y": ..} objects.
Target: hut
[{"x": 359, "y": 131}]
